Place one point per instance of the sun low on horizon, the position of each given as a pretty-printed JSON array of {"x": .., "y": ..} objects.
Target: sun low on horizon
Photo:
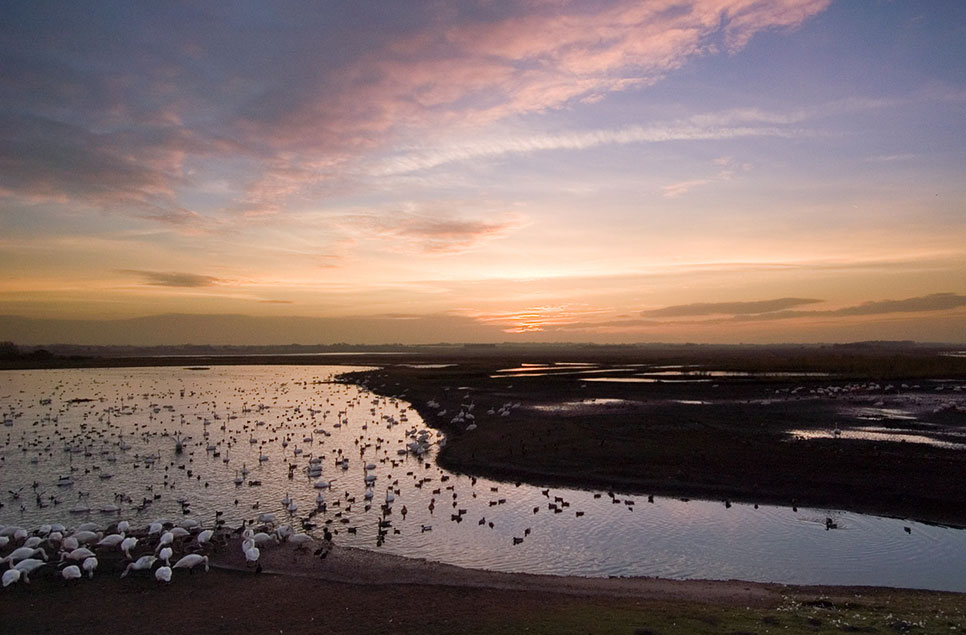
[{"x": 612, "y": 171}]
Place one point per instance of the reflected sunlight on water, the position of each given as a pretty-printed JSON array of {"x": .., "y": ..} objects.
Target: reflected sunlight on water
[{"x": 82, "y": 441}]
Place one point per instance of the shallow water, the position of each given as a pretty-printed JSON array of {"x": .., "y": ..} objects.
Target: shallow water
[{"x": 130, "y": 424}]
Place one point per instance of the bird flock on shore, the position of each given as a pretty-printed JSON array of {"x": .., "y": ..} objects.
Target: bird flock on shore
[{"x": 161, "y": 548}]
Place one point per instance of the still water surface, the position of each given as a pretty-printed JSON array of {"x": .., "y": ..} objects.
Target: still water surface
[{"x": 77, "y": 442}]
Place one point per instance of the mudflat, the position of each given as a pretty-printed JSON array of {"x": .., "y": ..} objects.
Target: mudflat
[{"x": 771, "y": 426}]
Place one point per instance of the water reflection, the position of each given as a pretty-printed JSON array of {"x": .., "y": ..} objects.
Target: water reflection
[{"x": 286, "y": 441}]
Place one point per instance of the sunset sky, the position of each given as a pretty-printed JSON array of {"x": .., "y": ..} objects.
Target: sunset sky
[{"x": 606, "y": 170}]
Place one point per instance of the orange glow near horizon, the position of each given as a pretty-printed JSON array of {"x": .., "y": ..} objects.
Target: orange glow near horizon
[{"x": 548, "y": 172}]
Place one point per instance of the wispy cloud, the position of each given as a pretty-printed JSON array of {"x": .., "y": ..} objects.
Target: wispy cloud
[
  {"x": 728, "y": 308},
  {"x": 413, "y": 159},
  {"x": 922, "y": 304},
  {"x": 174, "y": 278},
  {"x": 675, "y": 190},
  {"x": 779, "y": 309},
  {"x": 439, "y": 233}
]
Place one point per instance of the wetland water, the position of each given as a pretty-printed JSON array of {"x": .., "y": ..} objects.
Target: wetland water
[{"x": 100, "y": 445}]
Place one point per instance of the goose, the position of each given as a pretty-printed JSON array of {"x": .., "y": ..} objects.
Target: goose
[
  {"x": 163, "y": 574},
  {"x": 142, "y": 563},
  {"x": 89, "y": 565},
  {"x": 71, "y": 572},
  {"x": 191, "y": 561}
]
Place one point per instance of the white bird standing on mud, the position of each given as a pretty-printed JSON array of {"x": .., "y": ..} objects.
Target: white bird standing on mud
[
  {"x": 142, "y": 563},
  {"x": 191, "y": 561},
  {"x": 10, "y": 576},
  {"x": 127, "y": 544},
  {"x": 89, "y": 565}
]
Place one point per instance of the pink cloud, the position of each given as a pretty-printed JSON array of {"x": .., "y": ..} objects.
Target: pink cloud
[
  {"x": 124, "y": 141},
  {"x": 430, "y": 233}
]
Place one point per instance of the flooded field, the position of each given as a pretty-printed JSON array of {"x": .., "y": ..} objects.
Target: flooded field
[{"x": 289, "y": 442}]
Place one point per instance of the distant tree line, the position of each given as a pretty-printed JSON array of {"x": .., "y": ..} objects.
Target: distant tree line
[{"x": 9, "y": 350}]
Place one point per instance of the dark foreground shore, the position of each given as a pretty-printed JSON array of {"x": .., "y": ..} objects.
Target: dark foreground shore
[{"x": 354, "y": 591}]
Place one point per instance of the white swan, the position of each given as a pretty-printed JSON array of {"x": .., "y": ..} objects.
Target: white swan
[
  {"x": 28, "y": 566},
  {"x": 300, "y": 540},
  {"x": 205, "y": 536},
  {"x": 22, "y": 553},
  {"x": 166, "y": 539},
  {"x": 163, "y": 574},
  {"x": 10, "y": 576},
  {"x": 191, "y": 561},
  {"x": 127, "y": 544},
  {"x": 111, "y": 540},
  {"x": 142, "y": 563},
  {"x": 89, "y": 565},
  {"x": 251, "y": 555},
  {"x": 72, "y": 572},
  {"x": 165, "y": 554},
  {"x": 86, "y": 536},
  {"x": 79, "y": 554}
]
